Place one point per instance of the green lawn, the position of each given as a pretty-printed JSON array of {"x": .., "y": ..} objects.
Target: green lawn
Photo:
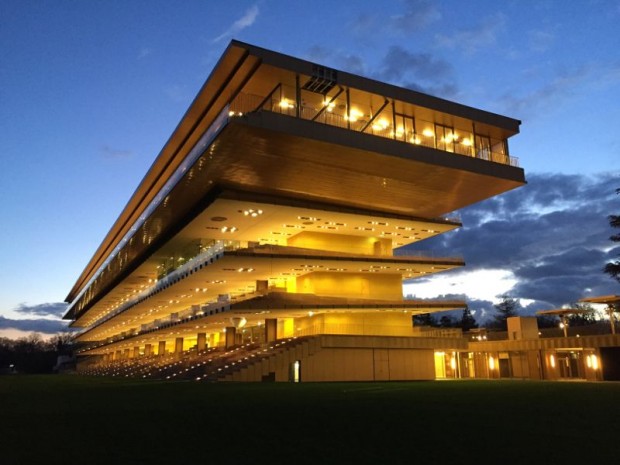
[{"x": 75, "y": 420}]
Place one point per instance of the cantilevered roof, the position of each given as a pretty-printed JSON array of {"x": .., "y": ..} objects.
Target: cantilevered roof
[
  {"x": 603, "y": 299},
  {"x": 243, "y": 64}
]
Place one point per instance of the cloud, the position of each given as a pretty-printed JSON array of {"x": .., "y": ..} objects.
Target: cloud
[
  {"x": 561, "y": 86},
  {"x": 540, "y": 41},
  {"x": 245, "y": 21},
  {"x": 417, "y": 71},
  {"x": 336, "y": 58},
  {"x": 549, "y": 95},
  {"x": 112, "y": 153},
  {"x": 417, "y": 15},
  {"x": 46, "y": 309},
  {"x": 552, "y": 235},
  {"x": 37, "y": 325},
  {"x": 476, "y": 38},
  {"x": 144, "y": 52}
]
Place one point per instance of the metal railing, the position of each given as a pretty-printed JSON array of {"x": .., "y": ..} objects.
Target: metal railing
[{"x": 273, "y": 102}]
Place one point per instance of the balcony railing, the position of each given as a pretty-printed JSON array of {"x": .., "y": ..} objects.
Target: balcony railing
[{"x": 465, "y": 144}]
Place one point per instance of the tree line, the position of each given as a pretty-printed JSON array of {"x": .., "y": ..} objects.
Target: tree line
[{"x": 32, "y": 353}]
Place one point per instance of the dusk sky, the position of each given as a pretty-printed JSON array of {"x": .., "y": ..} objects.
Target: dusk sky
[{"x": 90, "y": 92}]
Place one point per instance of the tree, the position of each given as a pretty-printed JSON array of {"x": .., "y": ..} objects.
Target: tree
[
  {"x": 613, "y": 268},
  {"x": 467, "y": 320},
  {"x": 582, "y": 319},
  {"x": 505, "y": 309},
  {"x": 446, "y": 321},
  {"x": 62, "y": 342},
  {"x": 424, "y": 319},
  {"x": 547, "y": 321}
]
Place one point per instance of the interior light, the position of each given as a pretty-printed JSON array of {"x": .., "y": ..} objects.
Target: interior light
[
  {"x": 552, "y": 361},
  {"x": 428, "y": 133},
  {"x": 491, "y": 363},
  {"x": 594, "y": 362},
  {"x": 382, "y": 124},
  {"x": 466, "y": 142}
]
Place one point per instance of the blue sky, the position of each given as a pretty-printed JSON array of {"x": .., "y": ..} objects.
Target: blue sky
[{"x": 90, "y": 92}]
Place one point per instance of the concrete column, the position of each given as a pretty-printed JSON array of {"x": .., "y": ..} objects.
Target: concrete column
[
  {"x": 201, "y": 341},
  {"x": 148, "y": 350},
  {"x": 118, "y": 355},
  {"x": 161, "y": 350},
  {"x": 178, "y": 345},
  {"x": 271, "y": 329},
  {"x": 136, "y": 352},
  {"x": 126, "y": 354},
  {"x": 212, "y": 340},
  {"x": 231, "y": 333}
]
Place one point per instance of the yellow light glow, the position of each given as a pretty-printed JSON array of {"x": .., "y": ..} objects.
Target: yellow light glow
[
  {"x": 594, "y": 362},
  {"x": 453, "y": 363},
  {"x": 428, "y": 133},
  {"x": 588, "y": 361},
  {"x": 284, "y": 103},
  {"x": 466, "y": 142},
  {"x": 491, "y": 363},
  {"x": 552, "y": 361}
]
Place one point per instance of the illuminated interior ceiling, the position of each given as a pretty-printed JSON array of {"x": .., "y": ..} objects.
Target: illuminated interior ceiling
[
  {"x": 237, "y": 275},
  {"x": 274, "y": 225},
  {"x": 281, "y": 306}
]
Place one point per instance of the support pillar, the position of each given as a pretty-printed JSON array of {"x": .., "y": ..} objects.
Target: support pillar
[
  {"x": 161, "y": 350},
  {"x": 201, "y": 341},
  {"x": 231, "y": 333},
  {"x": 271, "y": 329},
  {"x": 148, "y": 350},
  {"x": 178, "y": 345},
  {"x": 126, "y": 354},
  {"x": 212, "y": 340},
  {"x": 136, "y": 352},
  {"x": 118, "y": 355}
]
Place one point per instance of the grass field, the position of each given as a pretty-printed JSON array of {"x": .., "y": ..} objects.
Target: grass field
[{"x": 76, "y": 420}]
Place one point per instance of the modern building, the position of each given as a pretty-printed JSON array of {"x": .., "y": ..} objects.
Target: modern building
[{"x": 268, "y": 234}]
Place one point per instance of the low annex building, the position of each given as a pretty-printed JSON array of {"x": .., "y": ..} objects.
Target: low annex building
[{"x": 265, "y": 241}]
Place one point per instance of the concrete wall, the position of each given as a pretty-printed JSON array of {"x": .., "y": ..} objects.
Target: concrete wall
[{"x": 348, "y": 359}]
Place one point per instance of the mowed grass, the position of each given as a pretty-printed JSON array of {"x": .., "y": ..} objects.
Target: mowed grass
[{"x": 72, "y": 419}]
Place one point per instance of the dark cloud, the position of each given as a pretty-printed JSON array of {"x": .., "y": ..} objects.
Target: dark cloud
[
  {"x": 553, "y": 234},
  {"x": 47, "y": 309},
  {"x": 337, "y": 59},
  {"x": 37, "y": 325},
  {"x": 418, "y": 71}
]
